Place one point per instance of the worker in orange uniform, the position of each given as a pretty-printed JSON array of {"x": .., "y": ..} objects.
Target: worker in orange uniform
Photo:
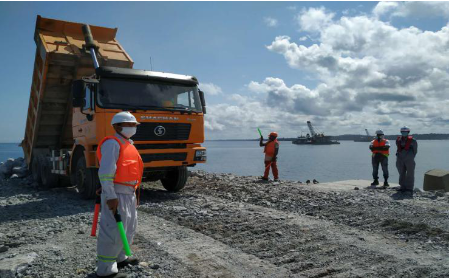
[
  {"x": 380, "y": 153},
  {"x": 120, "y": 174},
  {"x": 271, "y": 148}
]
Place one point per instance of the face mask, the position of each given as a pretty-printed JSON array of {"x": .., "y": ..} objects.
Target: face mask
[
  {"x": 128, "y": 131},
  {"x": 404, "y": 134},
  {"x": 380, "y": 137}
]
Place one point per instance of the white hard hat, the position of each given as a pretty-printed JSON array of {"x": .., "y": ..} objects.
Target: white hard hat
[
  {"x": 123, "y": 117},
  {"x": 379, "y": 132},
  {"x": 405, "y": 129}
]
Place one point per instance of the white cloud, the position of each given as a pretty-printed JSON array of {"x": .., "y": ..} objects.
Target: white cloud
[
  {"x": 304, "y": 38},
  {"x": 416, "y": 9},
  {"x": 314, "y": 19},
  {"x": 270, "y": 21},
  {"x": 370, "y": 75},
  {"x": 368, "y": 67},
  {"x": 210, "y": 88}
]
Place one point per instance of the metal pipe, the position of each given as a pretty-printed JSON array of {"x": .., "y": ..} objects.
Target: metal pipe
[
  {"x": 90, "y": 44},
  {"x": 94, "y": 57}
]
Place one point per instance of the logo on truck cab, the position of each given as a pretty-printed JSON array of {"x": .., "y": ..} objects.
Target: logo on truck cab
[
  {"x": 159, "y": 118},
  {"x": 160, "y": 130}
]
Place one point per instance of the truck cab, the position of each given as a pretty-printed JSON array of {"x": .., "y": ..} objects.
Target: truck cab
[{"x": 170, "y": 108}]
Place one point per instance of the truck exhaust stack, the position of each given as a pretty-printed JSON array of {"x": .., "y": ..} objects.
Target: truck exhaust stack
[{"x": 90, "y": 44}]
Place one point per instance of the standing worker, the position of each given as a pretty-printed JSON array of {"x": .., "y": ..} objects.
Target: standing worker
[
  {"x": 120, "y": 174},
  {"x": 271, "y": 148},
  {"x": 406, "y": 152},
  {"x": 380, "y": 153}
]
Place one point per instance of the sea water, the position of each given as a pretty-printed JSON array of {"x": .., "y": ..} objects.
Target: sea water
[{"x": 325, "y": 163}]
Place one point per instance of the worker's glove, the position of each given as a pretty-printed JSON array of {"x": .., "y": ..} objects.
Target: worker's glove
[{"x": 113, "y": 204}]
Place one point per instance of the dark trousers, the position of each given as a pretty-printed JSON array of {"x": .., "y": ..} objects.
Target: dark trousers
[
  {"x": 378, "y": 159},
  {"x": 406, "y": 166}
]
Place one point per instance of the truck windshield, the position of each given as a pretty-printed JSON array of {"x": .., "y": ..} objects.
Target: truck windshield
[{"x": 120, "y": 93}]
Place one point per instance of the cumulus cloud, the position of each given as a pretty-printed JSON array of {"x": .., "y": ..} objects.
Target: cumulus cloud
[
  {"x": 270, "y": 21},
  {"x": 420, "y": 9},
  {"x": 367, "y": 65},
  {"x": 314, "y": 19},
  {"x": 370, "y": 74},
  {"x": 210, "y": 88}
]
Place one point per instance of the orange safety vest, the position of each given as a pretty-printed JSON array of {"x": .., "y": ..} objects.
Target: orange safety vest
[
  {"x": 381, "y": 143},
  {"x": 269, "y": 148},
  {"x": 129, "y": 165}
]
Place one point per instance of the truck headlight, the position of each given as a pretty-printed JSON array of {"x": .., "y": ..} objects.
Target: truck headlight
[{"x": 200, "y": 155}]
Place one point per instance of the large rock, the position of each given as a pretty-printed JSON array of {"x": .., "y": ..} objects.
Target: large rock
[
  {"x": 6, "y": 168},
  {"x": 10, "y": 266},
  {"x": 20, "y": 171},
  {"x": 436, "y": 179},
  {"x": 18, "y": 162}
]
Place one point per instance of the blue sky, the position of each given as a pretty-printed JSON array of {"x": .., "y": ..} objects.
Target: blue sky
[{"x": 240, "y": 53}]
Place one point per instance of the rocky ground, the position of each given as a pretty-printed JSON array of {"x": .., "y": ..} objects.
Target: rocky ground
[{"x": 222, "y": 225}]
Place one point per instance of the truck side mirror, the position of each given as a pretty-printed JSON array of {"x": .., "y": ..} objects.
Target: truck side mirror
[
  {"x": 202, "y": 100},
  {"x": 78, "y": 93}
]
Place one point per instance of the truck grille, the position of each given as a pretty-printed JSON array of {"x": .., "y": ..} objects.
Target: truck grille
[
  {"x": 160, "y": 146},
  {"x": 149, "y": 157},
  {"x": 146, "y": 132}
]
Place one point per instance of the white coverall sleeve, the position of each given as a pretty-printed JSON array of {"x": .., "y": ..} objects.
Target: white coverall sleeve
[{"x": 110, "y": 154}]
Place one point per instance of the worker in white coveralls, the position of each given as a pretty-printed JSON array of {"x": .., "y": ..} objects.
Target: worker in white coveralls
[{"x": 120, "y": 174}]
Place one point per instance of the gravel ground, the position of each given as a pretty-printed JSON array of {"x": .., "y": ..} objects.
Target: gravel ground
[{"x": 223, "y": 225}]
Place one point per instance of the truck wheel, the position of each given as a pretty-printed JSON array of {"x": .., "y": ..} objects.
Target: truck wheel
[
  {"x": 175, "y": 180},
  {"x": 86, "y": 179},
  {"x": 36, "y": 169},
  {"x": 49, "y": 180}
]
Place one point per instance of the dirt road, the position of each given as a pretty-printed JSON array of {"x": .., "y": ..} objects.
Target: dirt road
[{"x": 230, "y": 226}]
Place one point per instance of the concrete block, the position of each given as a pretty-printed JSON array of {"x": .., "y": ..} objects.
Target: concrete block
[
  {"x": 9, "y": 267},
  {"x": 436, "y": 179}
]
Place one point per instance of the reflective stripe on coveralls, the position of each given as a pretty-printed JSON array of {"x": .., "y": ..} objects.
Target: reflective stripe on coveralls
[{"x": 109, "y": 244}]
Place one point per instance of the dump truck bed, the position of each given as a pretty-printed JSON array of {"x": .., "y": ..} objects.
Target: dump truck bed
[{"x": 61, "y": 58}]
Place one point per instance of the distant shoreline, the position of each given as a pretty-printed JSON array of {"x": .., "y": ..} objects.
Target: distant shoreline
[{"x": 345, "y": 137}]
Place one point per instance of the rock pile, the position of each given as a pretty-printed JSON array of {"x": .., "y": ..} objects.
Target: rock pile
[{"x": 13, "y": 168}]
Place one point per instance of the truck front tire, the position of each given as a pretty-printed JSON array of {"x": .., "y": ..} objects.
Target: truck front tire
[
  {"x": 175, "y": 180},
  {"x": 86, "y": 179}
]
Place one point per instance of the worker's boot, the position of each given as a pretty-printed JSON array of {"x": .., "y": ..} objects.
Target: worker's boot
[
  {"x": 375, "y": 182},
  {"x": 264, "y": 178},
  {"x": 385, "y": 184},
  {"x": 115, "y": 275},
  {"x": 128, "y": 261}
]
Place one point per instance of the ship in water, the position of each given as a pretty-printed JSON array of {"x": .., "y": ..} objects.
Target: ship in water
[
  {"x": 315, "y": 138},
  {"x": 366, "y": 138}
]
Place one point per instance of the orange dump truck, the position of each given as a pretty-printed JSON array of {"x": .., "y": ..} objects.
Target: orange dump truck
[{"x": 80, "y": 80}]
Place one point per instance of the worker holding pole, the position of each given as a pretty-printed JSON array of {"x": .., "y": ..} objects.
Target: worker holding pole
[
  {"x": 271, "y": 148},
  {"x": 120, "y": 174}
]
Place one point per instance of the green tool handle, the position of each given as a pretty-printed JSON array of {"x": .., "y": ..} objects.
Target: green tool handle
[
  {"x": 259, "y": 132},
  {"x": 123, "y": 235}
]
